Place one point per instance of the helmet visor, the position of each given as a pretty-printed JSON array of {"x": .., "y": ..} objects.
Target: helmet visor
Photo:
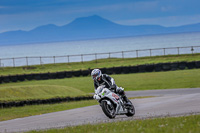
[{"x": 94, "y": 76}]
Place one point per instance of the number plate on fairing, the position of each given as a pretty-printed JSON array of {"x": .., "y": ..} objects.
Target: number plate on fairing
[{"x": 115, "y": 96}]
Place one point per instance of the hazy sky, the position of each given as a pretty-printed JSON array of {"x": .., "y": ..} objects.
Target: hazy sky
[{"x": 28, "y": 14}]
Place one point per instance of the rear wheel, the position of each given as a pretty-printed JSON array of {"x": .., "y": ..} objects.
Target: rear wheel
[
  {"x": 131, "y": 110},
  {"x": 109, "y": 110}
]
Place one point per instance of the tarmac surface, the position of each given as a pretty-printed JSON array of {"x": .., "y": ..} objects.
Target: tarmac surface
[{"x": 169, "y": 102}]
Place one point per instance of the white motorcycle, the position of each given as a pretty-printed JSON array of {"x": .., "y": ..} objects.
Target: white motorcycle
[{"x": 112, "y": 104}]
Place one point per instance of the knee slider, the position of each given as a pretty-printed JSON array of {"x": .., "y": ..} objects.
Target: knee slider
[{"x": 121, "y": 92}]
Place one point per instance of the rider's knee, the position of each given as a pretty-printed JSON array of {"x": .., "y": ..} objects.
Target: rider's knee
[{"x": 120, "y": 90}]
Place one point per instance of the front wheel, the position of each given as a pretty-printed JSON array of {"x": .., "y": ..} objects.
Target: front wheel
[
  {"x": 131, "y": 110},
  {"x": 109, "y": 110}
]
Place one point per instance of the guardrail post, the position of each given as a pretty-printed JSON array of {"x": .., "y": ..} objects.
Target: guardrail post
[
  {"x": 68, "y": 58},
  {"x": 137, "y": 53},
  {"x": 164, "y": 50},
  {"x": 150, "y": 52},
  {"x": 122, "y": 54},
  {"x": 192, "y": 49},
  {"x": 40, "y": 60},
  {"x": 13, "y": 62},
  {"x": 27, "y": 61},
  {"x": 178, "y": 50},
  {"x": 81, "y": 58},
  {"x": 54, "y": 59}
]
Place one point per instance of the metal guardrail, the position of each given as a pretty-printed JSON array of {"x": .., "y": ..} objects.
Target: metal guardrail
[{"x": 40, "y": 60}]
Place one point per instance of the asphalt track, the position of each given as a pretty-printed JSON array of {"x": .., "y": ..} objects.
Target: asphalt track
[{"x": 169, "y": 102}]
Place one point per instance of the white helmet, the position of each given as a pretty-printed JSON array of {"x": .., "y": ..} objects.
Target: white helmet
[{"x": 96, "y": 73}]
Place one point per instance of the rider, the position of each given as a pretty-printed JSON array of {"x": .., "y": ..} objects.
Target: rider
[{"x": 104, "y": 79}]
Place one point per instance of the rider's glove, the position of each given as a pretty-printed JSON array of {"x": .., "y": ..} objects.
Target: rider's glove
[
  {"x": 96, "y": 97},
  {"x": 113, "y": 86}
]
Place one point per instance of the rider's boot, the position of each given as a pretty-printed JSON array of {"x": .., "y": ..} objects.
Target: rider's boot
[
  {"x": 126, "y": 101},
  {"x": 122, "y": 93}
]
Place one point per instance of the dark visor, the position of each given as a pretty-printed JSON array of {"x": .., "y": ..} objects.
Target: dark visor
[{"x": 94, "y": 76}]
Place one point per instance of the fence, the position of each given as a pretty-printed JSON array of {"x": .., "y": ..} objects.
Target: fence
[{"x": 40, "y": 60}]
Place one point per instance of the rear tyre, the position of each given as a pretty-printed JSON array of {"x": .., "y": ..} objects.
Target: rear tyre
[
  {"x": 109, "y": 110},
  {"x": 131, "y": 110}
]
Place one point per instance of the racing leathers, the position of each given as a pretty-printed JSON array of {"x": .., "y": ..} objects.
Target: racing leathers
[{"x": 109, "y": 83}]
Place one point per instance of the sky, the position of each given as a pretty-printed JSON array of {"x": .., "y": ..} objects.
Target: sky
[{"x": 29, "y": 14}]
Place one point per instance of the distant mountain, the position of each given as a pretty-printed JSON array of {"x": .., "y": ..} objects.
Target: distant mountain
[{"x": 93, "y": 27}]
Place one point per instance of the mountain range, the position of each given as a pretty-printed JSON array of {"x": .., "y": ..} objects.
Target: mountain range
[{"x": 85, "y": 28}]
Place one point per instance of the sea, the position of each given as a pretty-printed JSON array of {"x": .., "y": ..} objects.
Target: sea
[{"x": 85, "y": 50}]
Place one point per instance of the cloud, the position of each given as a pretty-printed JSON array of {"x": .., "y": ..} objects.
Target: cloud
[
  {"x": 167, "y": 8},
  {"x": 2, "y": 7},
  {"x": 168, "y": 21}
]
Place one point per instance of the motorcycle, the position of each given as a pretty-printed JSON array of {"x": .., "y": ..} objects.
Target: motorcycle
[{"x": 112, "y": 104}]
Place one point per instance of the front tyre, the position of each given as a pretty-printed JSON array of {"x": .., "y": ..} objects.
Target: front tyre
[
  {"x": 109, "y": 110},
  {"x": 131, "y": 110}
]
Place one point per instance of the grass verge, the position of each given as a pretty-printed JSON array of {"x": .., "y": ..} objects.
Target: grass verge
[
  {"x": 30, "y": 92},
  {"x": 185, "y": 124},
  {"x": 19, "y": 112},
  {"x": 83, "y": 85},
  {"x": 101, "y": 63}
]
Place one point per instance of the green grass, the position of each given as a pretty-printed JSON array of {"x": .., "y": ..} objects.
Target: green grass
[
  {"x": 84, "y": 85},
  {"x": 28, "y": 92},
  {"x": 185, "y": 124},
  {"x": 101, "y": 63},
  {"x": 160, "y": 80}
]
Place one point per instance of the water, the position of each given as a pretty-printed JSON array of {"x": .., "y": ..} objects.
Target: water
[{"x": 96, "y": 46}]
